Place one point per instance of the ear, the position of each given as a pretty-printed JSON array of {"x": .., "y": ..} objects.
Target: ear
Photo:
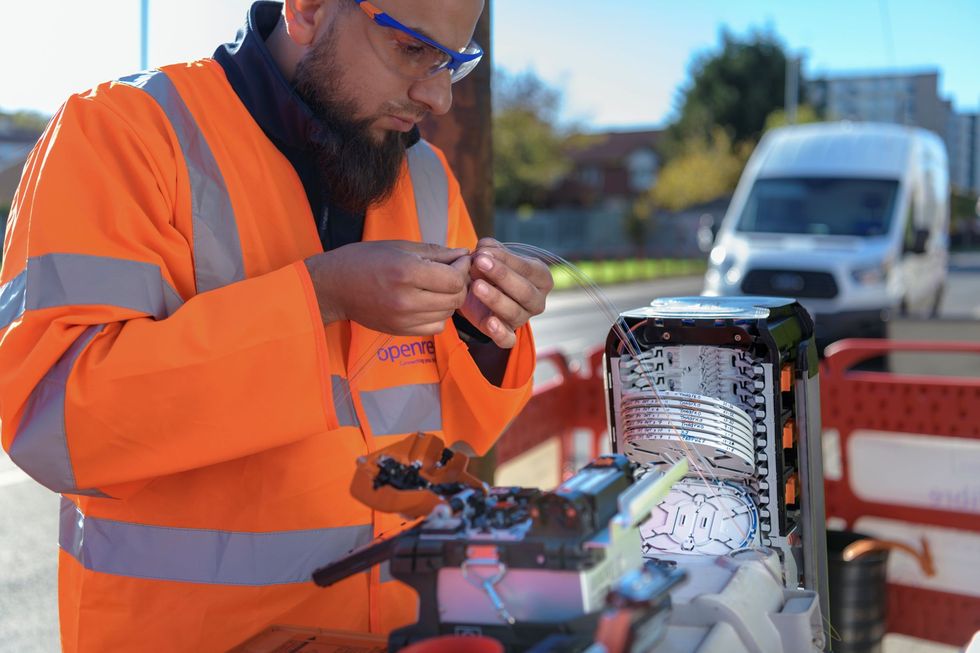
[{"x": 304, "y": 19}]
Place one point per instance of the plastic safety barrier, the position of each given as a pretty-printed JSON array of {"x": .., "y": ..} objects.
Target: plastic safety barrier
[
  {"x": 909, "y": 448},
  {"x": 570, "y": 401}
]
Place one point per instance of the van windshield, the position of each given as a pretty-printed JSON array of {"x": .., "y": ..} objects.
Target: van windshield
[{"x": 820, "y": 206}]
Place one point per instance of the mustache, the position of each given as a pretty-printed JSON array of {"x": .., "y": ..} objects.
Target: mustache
[{"x": 411, "y": 110}]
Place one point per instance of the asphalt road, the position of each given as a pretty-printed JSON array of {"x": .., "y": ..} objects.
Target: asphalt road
[{"x": 573, "y": 322}]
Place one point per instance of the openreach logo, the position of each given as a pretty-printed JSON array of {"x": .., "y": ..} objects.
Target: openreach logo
[{"x": 408, "y": 353}]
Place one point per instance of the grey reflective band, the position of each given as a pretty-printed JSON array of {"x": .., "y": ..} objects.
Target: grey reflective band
[
  {"x": 79, "y": 279},
  {"x": 343, "y": 405},
  {"x": 431, "y": 188},
  {"x": 40, "y": 445},
  {"x": 217, "y": 248},
  {"x": 385, "y": 572},
  {"x": 13, "y": 298},
  {"x": 403, "y": 409},
  {"x": 193, "y": 555}
]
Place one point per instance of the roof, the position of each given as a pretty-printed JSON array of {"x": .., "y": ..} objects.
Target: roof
[
  {"x": 614, "y": 146},
  {"x": 844, "y": 149},
  {"x": 876, "y": 75}
]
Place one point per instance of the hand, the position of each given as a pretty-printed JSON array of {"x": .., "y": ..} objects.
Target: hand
[
  {"x": 396, "y": 287},
  {"x": 506, "y": 291}
]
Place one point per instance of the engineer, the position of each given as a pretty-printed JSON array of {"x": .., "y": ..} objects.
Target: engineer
[{"x": 223, "y": 282}]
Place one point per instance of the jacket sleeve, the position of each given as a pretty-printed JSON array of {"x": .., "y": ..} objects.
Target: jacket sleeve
[
  {"x": 112, "y": 370},
  {"x": 475, "y": 410}
]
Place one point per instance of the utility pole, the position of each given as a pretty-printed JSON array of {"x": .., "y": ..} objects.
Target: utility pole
[
  {"x": 792, "y": 92},
  {"x": 464, "y": 134},
  {"x": 144, "y": 32}
]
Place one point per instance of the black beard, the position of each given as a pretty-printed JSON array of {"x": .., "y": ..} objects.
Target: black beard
[{"x": 356, "y": 170}]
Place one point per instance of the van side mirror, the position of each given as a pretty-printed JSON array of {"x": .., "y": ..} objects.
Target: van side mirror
[{"x": 917, "y": 244}]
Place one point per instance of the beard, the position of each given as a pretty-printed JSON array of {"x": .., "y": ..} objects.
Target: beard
[{"x": 356, "y": 169}]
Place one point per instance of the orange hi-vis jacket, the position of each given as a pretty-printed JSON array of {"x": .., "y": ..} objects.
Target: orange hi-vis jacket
[{"x": 164, "y": 366}]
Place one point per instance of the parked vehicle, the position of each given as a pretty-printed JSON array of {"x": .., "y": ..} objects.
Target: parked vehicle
[{"x": 852, "y": 219}]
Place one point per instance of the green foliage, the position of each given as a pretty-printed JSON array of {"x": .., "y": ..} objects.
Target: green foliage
[
  {"x": 30, "y": 121},
  {"x": 608, "y": 272},
  {"x": 736, "y": 89},
  {"x": 639, "y": 220},
  {"x": 529, "y": 154},
  {"x": 705, "y": 170},
  {"x": 963, "y": 206},
  {"x": 804, "y": 114}
]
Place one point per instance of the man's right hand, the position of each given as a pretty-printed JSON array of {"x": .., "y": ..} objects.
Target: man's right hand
[{"x": 395, "y": 287}]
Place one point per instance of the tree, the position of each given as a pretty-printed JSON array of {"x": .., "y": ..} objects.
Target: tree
[
  {"x": 736, "y": 89},
  {"x": 638, "y": 222},
  {"x": 705, "y": 170},
  {"x": 804, "y": 114},
  {"x": 27, "y": 121},
  {"x": 528, "y": 148}
]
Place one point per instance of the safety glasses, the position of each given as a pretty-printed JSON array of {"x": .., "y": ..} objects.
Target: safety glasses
[{"x": 413, "y": 55}]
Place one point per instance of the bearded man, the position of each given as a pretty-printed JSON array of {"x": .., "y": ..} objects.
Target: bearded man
[{"x": 223, "y": 282}]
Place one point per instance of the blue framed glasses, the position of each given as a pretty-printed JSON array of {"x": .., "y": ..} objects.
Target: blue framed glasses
[{"x": 414, "y": 55}]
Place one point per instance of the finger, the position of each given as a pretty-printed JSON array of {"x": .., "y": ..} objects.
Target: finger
[
  {"x": 511, "y": 283},
  {"x": 426, "y": 317},
  {"x": 511, "y": 313},
  {"x": 425, "y": 301},
  {"x": 531, "y": 269},
  {"x": 415, "y": 323},
  {"x": 462, "y": 264},
  {"x": 440, "y": 277},
  {"x": 489, "y": 243},
  {"x": 433, "y": 252},
  {"x": 427, "y": 329},
  {"x": 502, "y": 335}
]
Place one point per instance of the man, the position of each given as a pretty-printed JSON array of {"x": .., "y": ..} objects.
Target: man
[{"x": 225, "y": 281}]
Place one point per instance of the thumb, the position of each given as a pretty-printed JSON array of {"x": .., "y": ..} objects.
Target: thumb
[
  {"x": 438, "y": 253},
  {"x": 463, "y": 265}
]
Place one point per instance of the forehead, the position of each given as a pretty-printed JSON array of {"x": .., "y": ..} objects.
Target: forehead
[{"x": 450, "y": 22}]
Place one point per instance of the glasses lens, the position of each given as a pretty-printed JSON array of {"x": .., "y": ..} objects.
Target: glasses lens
[
  {"x": 464, "y": 69},
  {"x": 405, "y": 54}
]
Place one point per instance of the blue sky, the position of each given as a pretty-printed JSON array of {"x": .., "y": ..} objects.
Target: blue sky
[{"x": 619, "y": 63}]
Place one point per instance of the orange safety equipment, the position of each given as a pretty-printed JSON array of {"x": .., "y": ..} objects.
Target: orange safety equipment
[{"x": 164, "y": 366}]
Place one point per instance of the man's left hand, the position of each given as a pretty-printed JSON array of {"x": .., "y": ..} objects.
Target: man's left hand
[{"x": 506, "y": 291}]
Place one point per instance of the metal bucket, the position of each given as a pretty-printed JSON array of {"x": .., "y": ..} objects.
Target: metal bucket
[{"x": 858, "y": 593}]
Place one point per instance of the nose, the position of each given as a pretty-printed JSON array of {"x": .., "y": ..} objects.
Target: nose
[{"x": 436, "y": 93}]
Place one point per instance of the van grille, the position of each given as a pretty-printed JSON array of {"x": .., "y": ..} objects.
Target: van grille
[{"x": 790, "y": 283}]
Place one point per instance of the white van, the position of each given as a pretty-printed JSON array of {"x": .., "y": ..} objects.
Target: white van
[{"x": 852, "y": 219}]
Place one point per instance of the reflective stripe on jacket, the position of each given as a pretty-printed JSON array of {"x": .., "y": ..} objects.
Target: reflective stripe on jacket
[{"x": 163, "y": 364}]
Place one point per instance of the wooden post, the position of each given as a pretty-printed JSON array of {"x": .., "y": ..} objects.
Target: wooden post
[{"x": 464, "y": 134}]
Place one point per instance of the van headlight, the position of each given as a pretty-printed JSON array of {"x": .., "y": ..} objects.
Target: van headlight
[
  {"x": 872, "y": 274},
  {"x": 720, "y": 260},
  {"x": 717, "y": 256}
]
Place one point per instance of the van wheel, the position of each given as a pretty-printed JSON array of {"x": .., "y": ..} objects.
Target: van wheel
[{"x": 937, "y": 302}]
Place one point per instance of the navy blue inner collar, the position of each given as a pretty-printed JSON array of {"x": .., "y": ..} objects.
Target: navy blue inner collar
[{"x": 263, "y": 89}]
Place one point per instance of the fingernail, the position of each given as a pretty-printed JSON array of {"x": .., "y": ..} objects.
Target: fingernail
[
  {"x": 481, "y": 289},
  {"x": 493, "y": 325},
  {"x": 484, "y": 263}
]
